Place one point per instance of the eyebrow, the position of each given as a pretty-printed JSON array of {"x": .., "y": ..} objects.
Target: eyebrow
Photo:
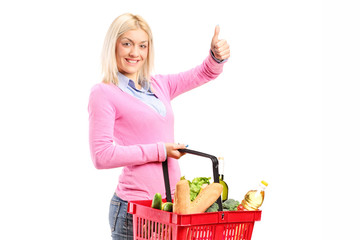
[{"x": 145, "y": 41}]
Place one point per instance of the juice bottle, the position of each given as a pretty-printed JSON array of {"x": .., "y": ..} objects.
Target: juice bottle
[{"x": 253, "y": 199}]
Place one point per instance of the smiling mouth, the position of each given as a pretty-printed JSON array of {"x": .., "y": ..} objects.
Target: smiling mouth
[{"x": 131, "y": 61}]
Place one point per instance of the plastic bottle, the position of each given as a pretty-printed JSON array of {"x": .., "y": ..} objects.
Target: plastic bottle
[
  {"x": 253, "y": 199},
  {"x": 224, "y": 194}
]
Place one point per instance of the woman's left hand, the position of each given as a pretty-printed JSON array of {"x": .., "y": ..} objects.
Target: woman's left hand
[{"x": 220, "y": 48}]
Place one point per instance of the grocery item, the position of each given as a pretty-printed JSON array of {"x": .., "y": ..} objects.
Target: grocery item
[
  {"x": 224, "y": 195},
  {"x": 182, "y": 197},
  {"x": 203, "y": 186},
  {"x": 206, "y": 198},
  {"x": 213, "y": 208},
  {"x": 196, "y": 185},
  {"x": 253, "y": 199},
  {"x": 230, "y": 205},
  {"x": 167, "y": 206},
  {"x": 156, "y": 202}
]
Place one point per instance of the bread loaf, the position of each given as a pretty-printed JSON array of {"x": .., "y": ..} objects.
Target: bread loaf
[
  {"x": 206, "y": 198},
  {"x": 182, "y": 198}
]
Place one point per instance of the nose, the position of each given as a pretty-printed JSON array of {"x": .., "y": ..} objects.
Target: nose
[{"x": 134, "y": 51}]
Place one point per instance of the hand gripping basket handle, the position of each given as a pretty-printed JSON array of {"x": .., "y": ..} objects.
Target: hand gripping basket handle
[{"x": 215, "y": 164}]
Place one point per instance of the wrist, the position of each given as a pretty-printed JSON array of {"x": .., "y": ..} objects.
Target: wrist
[{"x": 216, "y": 60}]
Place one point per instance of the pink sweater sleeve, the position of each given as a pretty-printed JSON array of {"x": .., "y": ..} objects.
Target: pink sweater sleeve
[
  {"x": 104, "y": 152},
  {"x": 185, "y": 81}
]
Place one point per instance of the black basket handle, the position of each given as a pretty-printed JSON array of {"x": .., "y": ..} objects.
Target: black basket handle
[{"x": 215, "y": 164}]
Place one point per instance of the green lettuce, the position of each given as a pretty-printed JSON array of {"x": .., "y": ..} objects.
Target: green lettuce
[{"x": 195, "y": 186}]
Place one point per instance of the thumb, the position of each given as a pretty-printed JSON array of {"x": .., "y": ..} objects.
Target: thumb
[{"x": 215, "y": 38}]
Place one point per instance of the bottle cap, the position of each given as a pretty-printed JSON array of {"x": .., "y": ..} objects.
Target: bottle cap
[
  {"x": 221, "y": 165},
  {"x": 265, "y": 183}
]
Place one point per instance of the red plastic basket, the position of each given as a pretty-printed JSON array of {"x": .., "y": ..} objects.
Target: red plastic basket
[{"x": 150, "y": 223}]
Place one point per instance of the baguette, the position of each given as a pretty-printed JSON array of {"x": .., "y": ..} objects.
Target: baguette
[
  {"x": 182, "y": 197},
  {"x": 206, "y": 198}
]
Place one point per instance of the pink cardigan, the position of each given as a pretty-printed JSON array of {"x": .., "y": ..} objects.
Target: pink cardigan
[{"x": 125, "y": 132}]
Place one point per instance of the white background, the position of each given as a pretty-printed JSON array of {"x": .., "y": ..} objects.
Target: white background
[{"x": 285, "y": 109}]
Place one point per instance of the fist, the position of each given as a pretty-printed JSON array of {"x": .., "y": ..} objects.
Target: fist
[
  {"x": 220, "y": 48},
  {"x": 172, "y": 150}
]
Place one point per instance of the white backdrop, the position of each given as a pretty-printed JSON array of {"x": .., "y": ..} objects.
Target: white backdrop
[{"x": 276, "y": 113}]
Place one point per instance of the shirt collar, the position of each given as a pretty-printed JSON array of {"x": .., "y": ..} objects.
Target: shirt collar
[{"x": 124, "y": 82}]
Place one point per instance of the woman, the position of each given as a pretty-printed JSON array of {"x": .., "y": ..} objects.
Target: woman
[{"x": 131, "y": 123}]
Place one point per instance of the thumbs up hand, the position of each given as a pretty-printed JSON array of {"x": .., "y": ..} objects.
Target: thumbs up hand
[{"x": 220, "y": 48}]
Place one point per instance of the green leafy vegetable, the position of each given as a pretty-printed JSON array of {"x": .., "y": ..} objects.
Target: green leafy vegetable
[
  {"x": 195, "y": 186},
  {"x": 230, "y": 205},
  {"x": 213, "y": 208}
]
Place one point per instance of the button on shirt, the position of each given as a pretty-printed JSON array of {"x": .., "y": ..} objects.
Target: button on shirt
[{"x": 144, "y": 94}]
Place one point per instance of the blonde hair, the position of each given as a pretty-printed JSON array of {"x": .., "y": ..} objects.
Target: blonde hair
[{"x": 119, "y": 26}]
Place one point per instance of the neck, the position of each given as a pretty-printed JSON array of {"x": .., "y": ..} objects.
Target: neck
[
  {"x": 135, "y": 78},
  {"x": 137, "y": 85}
]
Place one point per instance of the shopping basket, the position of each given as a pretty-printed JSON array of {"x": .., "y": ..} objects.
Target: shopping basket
[{"x": 151, "y": 224}]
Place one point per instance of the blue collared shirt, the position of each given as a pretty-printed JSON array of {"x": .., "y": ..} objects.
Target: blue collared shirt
[{"x": 144, "y": 94}]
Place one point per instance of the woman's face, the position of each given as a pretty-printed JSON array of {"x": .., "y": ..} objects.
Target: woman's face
[{"x": 131, "y": 52}]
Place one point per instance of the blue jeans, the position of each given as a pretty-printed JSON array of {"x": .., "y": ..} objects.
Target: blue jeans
[{"x": 121, "y": 222}]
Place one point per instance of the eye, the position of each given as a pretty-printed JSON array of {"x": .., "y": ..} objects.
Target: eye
[
  {"x": 143, "y": 46},
  {"x": 126, "y": 44}
]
